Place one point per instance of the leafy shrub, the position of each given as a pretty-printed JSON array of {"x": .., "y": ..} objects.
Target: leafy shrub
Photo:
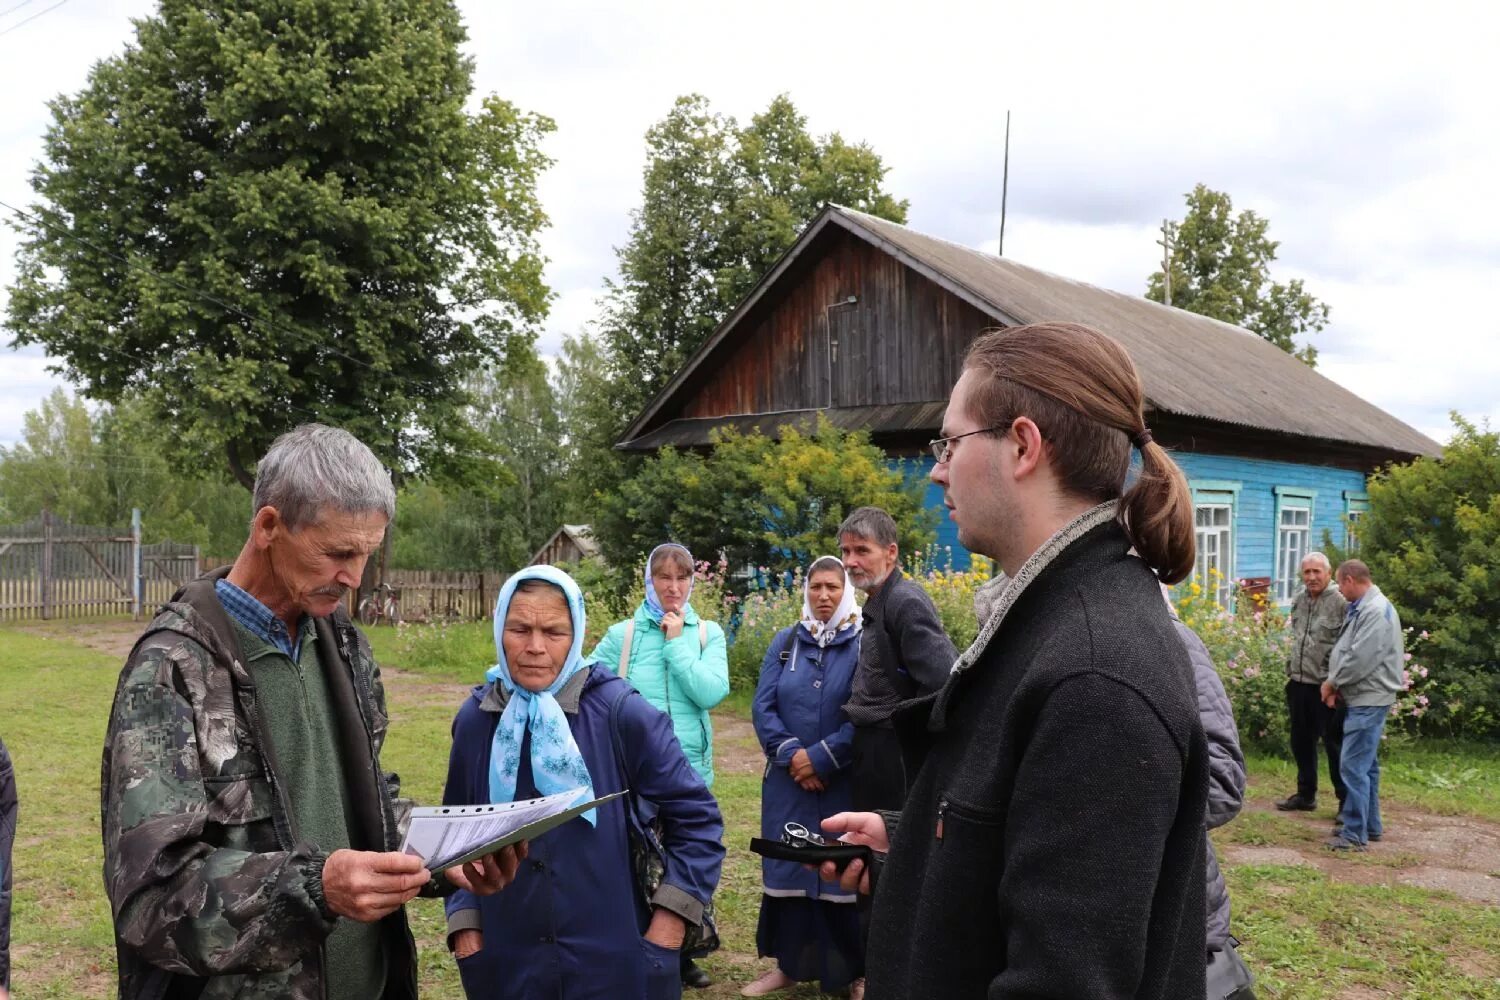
[
  {"x": 762, "y": 614},
  {"x": 953, "y": 593}
]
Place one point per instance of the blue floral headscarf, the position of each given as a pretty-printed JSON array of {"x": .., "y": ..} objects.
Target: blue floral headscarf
[
  {"x": 653, "y": 603},
  {"x": 556, "y": 762}
]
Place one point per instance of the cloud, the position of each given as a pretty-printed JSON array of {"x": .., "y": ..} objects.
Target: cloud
[{"x": 1366, "y": 137}]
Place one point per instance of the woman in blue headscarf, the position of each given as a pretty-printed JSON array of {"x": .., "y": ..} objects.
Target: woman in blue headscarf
[
  {"x": 678, "y": 660},
  {"x": 574, "y": 922}
]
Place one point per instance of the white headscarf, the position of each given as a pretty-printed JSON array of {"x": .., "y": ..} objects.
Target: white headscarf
[{"x": 846, "y": 616}]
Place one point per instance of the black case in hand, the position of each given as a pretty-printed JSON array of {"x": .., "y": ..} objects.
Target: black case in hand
[{"x": 810, "y": 854}]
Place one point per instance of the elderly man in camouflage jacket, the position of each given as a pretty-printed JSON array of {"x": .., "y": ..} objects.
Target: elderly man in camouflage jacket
[
  {"x": 1317, "y": 616},
  {"x": 250, "y": 838}
]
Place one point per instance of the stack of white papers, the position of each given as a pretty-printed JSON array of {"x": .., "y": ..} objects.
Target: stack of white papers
[{"x": 444, "y": 836}]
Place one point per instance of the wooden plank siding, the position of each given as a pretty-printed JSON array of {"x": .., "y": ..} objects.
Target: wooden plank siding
[
  {"x": 1255, "y": 509},
  {"x": 901, "y": 341}
]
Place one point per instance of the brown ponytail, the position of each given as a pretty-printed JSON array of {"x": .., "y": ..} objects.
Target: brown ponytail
[{"x": 1082, "y": 390}]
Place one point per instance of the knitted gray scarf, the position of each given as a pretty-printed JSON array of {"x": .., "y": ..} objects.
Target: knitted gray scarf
[{"x": 1001, "y": 594}]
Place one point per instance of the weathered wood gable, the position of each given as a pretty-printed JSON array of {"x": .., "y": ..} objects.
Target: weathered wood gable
[{"x": 901, "y": 339}]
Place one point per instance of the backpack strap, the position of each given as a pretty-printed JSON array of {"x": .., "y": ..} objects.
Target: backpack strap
[{"x": 624, "y": 670}]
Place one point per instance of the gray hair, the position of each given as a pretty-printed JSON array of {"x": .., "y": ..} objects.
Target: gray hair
[
  {"x": 1319, "y": 558},
  {"x": 313, "y": 467},
  {"x": 870, "y": 523}
]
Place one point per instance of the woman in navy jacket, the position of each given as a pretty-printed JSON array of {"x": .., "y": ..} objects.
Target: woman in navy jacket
[
  {"x": 574, "y": 923},
  {"x": 810, "y": 927}
]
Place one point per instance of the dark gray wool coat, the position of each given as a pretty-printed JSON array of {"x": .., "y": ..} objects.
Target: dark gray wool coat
[{"x": 1052, "y": 844}]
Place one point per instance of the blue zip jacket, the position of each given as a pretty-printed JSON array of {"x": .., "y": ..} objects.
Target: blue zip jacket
[
  {"x": 799, "y": 705},
  {"x": 571, "y": 924}
]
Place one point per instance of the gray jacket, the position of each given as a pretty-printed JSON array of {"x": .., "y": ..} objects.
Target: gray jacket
[
  {"x": 1226, "y": 775},
  {"x": 1315, "y": 625},
  {"x": 1367, "y": 661}
]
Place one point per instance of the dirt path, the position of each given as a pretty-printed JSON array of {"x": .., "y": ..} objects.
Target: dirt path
[
  {"x": 1457, "y": 854},
  {"x": 114, "y": 637}
]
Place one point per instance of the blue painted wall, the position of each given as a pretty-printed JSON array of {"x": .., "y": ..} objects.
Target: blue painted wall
[{"x": 1255, "y": 516}]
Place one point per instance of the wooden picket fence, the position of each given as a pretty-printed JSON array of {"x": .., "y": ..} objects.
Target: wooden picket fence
[
  {"x": 50, "y": 568},
  {"x": 434, "y": 595}
]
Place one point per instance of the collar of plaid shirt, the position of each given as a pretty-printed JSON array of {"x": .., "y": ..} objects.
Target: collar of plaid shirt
[{"x": 259, "y": 619}]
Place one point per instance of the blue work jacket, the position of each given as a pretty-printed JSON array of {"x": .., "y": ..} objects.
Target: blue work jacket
[
  {"x": 571, "y": 924},
  {"x": 799, "y": 705}
]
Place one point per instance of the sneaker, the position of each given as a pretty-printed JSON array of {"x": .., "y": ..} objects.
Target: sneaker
[
  {"x": 1342, "y": 844},
  {"x": 1375, "y": 837},
  {"x": 857, "y": 989},
  {"x": 769, "y": 982},
  {"x": 1297, "y": 803}
]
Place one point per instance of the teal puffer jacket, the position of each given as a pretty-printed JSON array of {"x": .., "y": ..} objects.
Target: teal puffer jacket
[{"x": 684, "y": 677}]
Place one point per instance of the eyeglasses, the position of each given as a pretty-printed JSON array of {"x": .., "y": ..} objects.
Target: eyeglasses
[{"x": 942, "y": 448}]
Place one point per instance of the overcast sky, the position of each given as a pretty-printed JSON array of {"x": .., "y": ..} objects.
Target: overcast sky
[{"x": 1371, "y": 142}]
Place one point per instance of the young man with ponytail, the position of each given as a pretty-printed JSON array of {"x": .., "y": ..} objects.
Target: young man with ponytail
[{"x": 1052, "y": 843}]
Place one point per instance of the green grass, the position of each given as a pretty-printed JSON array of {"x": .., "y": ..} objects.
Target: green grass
[
  {"x": 1305, "y": 935},
  {"x": 1309, "y": 938},
  {"x": 1446, "y": 777}
]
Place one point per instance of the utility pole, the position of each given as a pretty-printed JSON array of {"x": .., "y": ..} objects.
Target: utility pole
[
  {"x": 1004, "y": 186},
  {"x": 1166, "y": 260}
]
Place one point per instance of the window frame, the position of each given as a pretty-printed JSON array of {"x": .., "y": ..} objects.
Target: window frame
[
  {"x": 1284, "y": 590},
  {"x": 1218, "y": 493},
  {"x": 1356, "y": 506}
]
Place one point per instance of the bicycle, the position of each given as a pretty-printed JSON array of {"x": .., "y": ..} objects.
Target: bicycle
[{"x": 383, "y": 602}]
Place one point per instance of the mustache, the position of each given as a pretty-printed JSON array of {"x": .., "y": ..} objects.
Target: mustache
[{"x": 338, "y": 592}]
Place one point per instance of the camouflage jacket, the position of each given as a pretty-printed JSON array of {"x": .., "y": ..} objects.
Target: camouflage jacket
[{"x": 212, "y": 893}]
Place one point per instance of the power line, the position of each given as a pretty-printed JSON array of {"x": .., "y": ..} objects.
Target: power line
[
  {"x": 33, "y": 17},
  {"x": 11, "y": 10}
]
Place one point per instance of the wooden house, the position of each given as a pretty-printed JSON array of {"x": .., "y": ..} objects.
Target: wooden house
[
  {"x": 867, "y": 321},
  {"x": 569, "y": 544}
]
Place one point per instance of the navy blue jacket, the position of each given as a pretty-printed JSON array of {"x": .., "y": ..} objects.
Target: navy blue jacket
[
  {"x": 799, "y": 705},
  {"x": 570, "y": 925}
]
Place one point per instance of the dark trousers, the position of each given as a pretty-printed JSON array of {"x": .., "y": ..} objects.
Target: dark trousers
[
  {"x": 1310, "y": 721},
  {"x": 877, "y": 780},
  {"x": 877, "y": 776}
]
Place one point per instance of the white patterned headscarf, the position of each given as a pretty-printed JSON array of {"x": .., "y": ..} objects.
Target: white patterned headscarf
[
  {"x": 845, "y": 617},
  {"x": 557, "y": 764}
]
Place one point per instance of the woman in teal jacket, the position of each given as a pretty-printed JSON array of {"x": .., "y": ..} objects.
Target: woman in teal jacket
[
  {"x": 678, "y": 662},
  {"x": 675, "y": 659}
]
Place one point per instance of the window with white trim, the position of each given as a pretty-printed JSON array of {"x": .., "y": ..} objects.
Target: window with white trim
[
  {"x": 1294, "y": 511},
  {"x": 1355, "y": 506},
  {"x": 1214, "y": 570},
  {"x": 1215, "y": 521}
]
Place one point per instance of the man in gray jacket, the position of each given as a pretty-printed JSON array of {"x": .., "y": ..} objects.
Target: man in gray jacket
[
  {"x": 1365, "y": 670},
  {"x": 1317, "y": 616}
]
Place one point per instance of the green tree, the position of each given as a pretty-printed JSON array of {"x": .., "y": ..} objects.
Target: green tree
[
  {"x": 760, "y": 501},
  {"x": 589, "y": 417},
  {"x": 1221, "y": 267},
  {"x": 94, "y": 468},
  {"x": 263, "y": 214},
  {"x": 719, "y": 204},
  {"x": 1432, "y": 540}
]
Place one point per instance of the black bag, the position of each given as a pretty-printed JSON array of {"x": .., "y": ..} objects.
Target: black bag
[
  {"x": 1228, "y": 976},
  {"x": 648, "y": 859}
]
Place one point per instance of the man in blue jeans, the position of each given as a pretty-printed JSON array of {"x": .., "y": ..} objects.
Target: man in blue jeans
[{"x": 1364, "y": 669}]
